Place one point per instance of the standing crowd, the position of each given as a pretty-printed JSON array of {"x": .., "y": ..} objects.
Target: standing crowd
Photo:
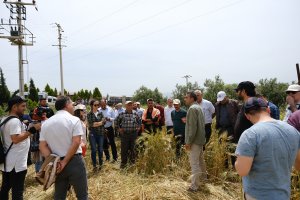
[{"x": 267, "y": 148}]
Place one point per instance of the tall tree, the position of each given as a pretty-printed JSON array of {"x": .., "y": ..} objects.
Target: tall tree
[
  {"x": 25, "y": 87},
  {"x": 96, "y": 93},
  {"x": 33, "y": 92},
  {"x": 181, "y": 90},
  {"x": 4, "y": 92}
]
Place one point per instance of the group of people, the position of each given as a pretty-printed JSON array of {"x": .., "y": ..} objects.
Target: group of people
[{"x": 267, "y": 148}]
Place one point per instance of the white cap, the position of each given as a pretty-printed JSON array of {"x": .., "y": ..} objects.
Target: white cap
[
  {"x": 128, "y": 102},
  {"x": 176, "y": 101},
  {"x": 293, "y": 88},
  {"x": 221, "y": 95},
  {"x": 80, "y": 107}
]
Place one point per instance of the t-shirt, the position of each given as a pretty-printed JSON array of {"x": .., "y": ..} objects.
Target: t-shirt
[
  {"x": 208, "y": 110},
  {"x": 178, "y": 125},
  {"x": 224, "y": 116},
  {"x": 59, "y": 130},
  {"x": 274, "y": 146},
  {"x": 17, "y": 155},
  {"x": 241, "y": 124}
]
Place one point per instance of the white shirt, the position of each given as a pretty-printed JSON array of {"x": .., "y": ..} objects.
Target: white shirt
[
  {"x": 168, "y": 119},
  {"x": 108, "y": 112},
  {"x": 59, "y": 130},
  {"x": 208, "y": 110},
  {"x": 288, "y": 112},
  {"x": 18, "y": 153}
]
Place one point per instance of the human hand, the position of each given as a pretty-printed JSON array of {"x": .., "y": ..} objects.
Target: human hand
[
  {"x": 60, "y": 166},
  {"x": 183, "y": 119}
]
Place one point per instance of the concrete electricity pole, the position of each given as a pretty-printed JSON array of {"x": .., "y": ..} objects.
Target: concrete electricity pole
[
  {"x": 17, "y": 33},
  {"x": 187, "y": 80},
  {"x": 60, "y": 30}
]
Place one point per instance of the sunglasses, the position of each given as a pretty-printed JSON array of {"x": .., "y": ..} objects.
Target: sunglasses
[
  {"x": 96, "y": 105},
  {"x": 291, "y": 92}
]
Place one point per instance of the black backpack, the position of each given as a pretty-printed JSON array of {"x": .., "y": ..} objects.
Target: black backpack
[{"x": 2, "y": 151}]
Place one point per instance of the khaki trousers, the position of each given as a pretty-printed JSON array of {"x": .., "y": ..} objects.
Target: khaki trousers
[{"x": 198, "y": 166}]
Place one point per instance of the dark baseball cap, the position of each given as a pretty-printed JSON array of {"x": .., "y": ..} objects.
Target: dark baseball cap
[
  {"x": 14, "y": 100},
  {"x": 245, "y": 85},
  {"x": 254, "y": 103}
]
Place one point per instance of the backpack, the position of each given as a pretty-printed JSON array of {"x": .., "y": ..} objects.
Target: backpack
[{"x": 2, "y": 150}]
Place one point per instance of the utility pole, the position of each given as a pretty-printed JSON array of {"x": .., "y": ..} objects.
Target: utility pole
[
  {"x": 17, "y": 33},
  {"x": 60, "y": 30},
  {"x": 187, "y": 80}
]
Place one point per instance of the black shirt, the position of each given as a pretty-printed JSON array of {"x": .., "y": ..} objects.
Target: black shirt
[{"x": 241, "y": 124}]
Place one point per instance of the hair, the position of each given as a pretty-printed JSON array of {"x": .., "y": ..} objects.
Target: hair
[
  {"x": 61, "y": 102},
  {"x": 192, "y": 94},
  {"x": 150, "y": 99},
  {"x": 92, "y": 102},
  {"x": 77, "y": 114},
  {"x": 197, "y": 92},
  {"x": 256, "y": 110},
  {"x": 250, "y": 92}
]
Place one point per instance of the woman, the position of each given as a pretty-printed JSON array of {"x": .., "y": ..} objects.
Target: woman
[
  {"x": 96, "y": 123},
  {"x": 80, "y": 112}
]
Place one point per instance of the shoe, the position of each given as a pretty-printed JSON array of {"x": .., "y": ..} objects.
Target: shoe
[
  {"x": 113, "y": 161},
  {"x": 95, "y": 169},
  {"x": 192, "y": 190}
]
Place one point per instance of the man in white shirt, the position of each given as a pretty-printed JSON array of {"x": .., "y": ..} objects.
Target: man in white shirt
[
  {"x": 61, "y": 135},
  {"x": 168, "y": 120},
  {"x": 16, "y": 143},
  {"x": 208, "y": 111},
  {"x": 293, "y": 100},
  {"x": 109, "y": 115}
]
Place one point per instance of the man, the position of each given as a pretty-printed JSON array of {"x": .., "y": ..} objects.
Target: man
[
  {"x": 208, "y": 110},
  {"x": 266, "y": 153},
  {"x": 194, "y": 140},
  {"x": 293, "y": 100},
  {"x": 274, "y": 110},
  {"x": 128, "y": 124},
  {"x": 161, "y": 120},
  {"x": 150, "y": 118},
  {"x": 244, "y": 90},
  {"x": 140, "y": 110},
  {"x": 43, "y": 111},
  {"x": 16, "y": 143},
  {"x": 226, "y": 113},
  {"x": 109, "y": 115},
  {"x": 178, "y": 116},
  {"x": 119, "y": 109},
  {"x": 168, "y": 120},
  {"x": 61, "y": 135}
]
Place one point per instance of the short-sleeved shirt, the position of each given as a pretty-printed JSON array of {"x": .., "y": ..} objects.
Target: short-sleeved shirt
[
  {"x": 178, "y": 125},
  {"x": 208, "y": 110},
  {"x": 59, "y": 130},
  {"x": 17, "y": 155},
  {"x": 273, "y": 146}
]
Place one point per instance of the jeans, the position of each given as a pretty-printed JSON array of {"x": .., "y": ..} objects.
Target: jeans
[
  {"x": 207, "y": 132},
  {"x": 96, "y": 142},
  {"x": 111, "y": 141},
  {"x": 15, "y": 181},
  {"x": 73, "y": 174},
  {"x": 128, "y": 148},
  {"x": 38, "y": 166},
  {"x": 198, "y": 166}
]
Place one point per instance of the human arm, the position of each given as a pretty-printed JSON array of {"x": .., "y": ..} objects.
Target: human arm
[
  {"x": 297, "y": 161},
  {"x": 191, "y": 126},
  {"x": 243, "y": 165},
  {"x": 44, "y": 148},
  {"x": 17, "y": 137}
]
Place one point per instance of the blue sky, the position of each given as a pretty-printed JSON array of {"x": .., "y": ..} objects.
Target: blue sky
[{"x": 119, "y": 45}]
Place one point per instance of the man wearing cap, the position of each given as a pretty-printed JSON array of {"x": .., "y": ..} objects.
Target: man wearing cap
[
  {"x": 42, "y": 111},
  {"x": 168, "y": 120},
  {"x": 293, "y": 100},
  {"x": 140, "y": 110},
  {"x": 128, "y": 124},
  {"x": 266, "y": 153},
  {"x": 226, "y": 113},
  {"x": 178, "y": 116},
  {"x": 16, "y": 143},
  {"x": 244, "y": 90},
  {"x": 150, "y": 118},
  {"x": 208, "y": 111},
  {"x": 61, "y": 135}
]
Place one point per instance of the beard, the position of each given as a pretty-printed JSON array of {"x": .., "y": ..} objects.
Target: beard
[{"x": 240, "y": 98}]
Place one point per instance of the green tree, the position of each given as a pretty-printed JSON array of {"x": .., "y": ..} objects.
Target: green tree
[
  {"x": 55, "y": 92},
  {"x": 25, "y": 87},
  {"x": 181, "y": 90},
  {"x": 157, "y": 96},
  {"x": 212, "y": 87},
  {"x": 49, "y": 90},
  {"x": 33, "y": 93},
  {"x": 4, "y": 92},
  {"x": 96, "y": 93},
  {"x": 142, "y": 94}
]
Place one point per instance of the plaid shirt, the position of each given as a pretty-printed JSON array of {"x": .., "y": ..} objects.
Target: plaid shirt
[
  {"x": 129, "y": 122},
  {"x": 91, "y": 118}
]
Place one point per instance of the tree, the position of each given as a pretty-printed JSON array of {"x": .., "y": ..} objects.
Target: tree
[
  {"x": 212, "y": 87},
  {"x": 4, "y": 92},
  {"x": 157, "y": 96},
  {"x": 25, "y": 87},
  {"x": 49, "y": 90},
  {"x": 142, "y": 94},
  {"x": 55, "y": 92},
  {"x": 181, "y": 90},
  {"x": 33, "y": 93},
  {"x": 97, "y": 93}
]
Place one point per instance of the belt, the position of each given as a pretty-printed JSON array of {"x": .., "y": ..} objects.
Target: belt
[{"x": 77, "y": 154}]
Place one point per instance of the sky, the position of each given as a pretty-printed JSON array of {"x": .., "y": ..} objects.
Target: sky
[{"x": 120, "y": 45}]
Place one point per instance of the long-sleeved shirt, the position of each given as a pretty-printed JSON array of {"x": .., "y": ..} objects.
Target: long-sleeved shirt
[
  {"x": 195, "y": 125},
  {"x": 128, "y": 121},
  {"x": 168, "y": 119},
  {"x": 208, "y": 110},
  {"x": 95, "y": 117},
  {"x": 109, "y": 114}
]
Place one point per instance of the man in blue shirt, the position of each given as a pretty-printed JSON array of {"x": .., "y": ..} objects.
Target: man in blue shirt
[{"x": 266, "y": 153}]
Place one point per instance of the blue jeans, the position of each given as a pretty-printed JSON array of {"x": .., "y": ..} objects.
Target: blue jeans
[
  {"x": 38, "y": 166},
  {"x": 96, "y": 142}
]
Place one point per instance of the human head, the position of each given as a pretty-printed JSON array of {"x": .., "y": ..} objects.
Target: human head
[
  {"x": 150, "y": 103},
  {"x": 103, "y": 103},
  {"x": 199, "y": 95},
  {"x": 254, "y": 108},
  {"x": 245, "y": 90},
  {"x": 190, "y": 98},
  {"x": 134, "y": 106},
  {"x": 170, "y": 102},
  {"x": 16, "y": 105},
  {"x": 129, "y": 106},
  {"x": 294, "y": 92},
  {"x": 80, "y": 112},
  {"x": 138, "y": 104},
  {"x": 222, "y": 97},
  {"x": 119, "y": 106},
  {"x": 176, "y": 104},
  {"x": 64, "y": 103},
  {"x": 94, "y": 105},
  {"x": 43, "y": 102}
]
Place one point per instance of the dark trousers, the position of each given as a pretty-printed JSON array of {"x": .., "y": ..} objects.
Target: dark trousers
[
  {"x": 110, "y": 140},
  {"x": 229, "y": 130},
  {"x": 128, "y": 148},
  {"x": 96, "y": 142},
  {"x": 151, "y": 128},
  {"x": 15, "y": 181},
  {"x": 73, "y": 174},
  {"x": 207, "y": 132},
  {"x": 169, "y": 129},
  {"x": 179, "y": 139}
]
